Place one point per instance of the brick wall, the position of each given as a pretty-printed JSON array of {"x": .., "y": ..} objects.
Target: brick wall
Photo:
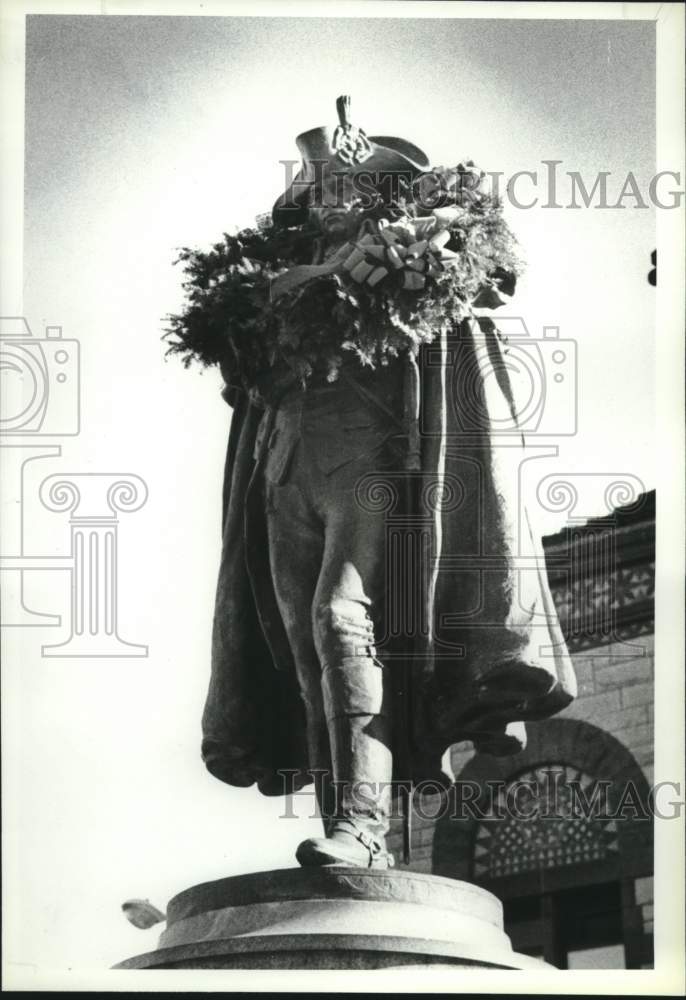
[
  {"x": 615, "y": 678},
  {"x": 616, "y": 694}
]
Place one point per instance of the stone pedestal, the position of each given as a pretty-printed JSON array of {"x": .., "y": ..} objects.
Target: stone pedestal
[{"x": 333, "y": 918}]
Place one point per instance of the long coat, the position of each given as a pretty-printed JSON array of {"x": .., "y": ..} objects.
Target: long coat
[{"x": 484, "y": 651}]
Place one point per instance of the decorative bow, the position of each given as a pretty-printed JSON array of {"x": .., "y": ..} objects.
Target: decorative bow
[
  {"x": 414, "y": 248},
  {"x": 411, "y": 249}
]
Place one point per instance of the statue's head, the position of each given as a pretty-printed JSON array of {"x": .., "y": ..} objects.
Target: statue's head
[
  {"x": 337, "y": 164},
  {"x": 329, "y": 207}
]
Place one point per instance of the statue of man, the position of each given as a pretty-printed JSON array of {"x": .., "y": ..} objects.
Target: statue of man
[{"x": 307, "y": 681}]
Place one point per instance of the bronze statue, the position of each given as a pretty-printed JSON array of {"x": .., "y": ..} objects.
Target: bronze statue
[{"x": 371, "y": 606}]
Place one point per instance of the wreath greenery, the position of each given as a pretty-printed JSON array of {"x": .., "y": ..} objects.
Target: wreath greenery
[{"x": 408, "y": 275}]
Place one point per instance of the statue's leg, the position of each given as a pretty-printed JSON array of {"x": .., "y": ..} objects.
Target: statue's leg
[
  {"x": 355, "y": 683},
  {"x": 296, "y": 544}
]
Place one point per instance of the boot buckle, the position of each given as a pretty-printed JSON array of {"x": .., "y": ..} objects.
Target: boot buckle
[{"x": 379, "y": 857}]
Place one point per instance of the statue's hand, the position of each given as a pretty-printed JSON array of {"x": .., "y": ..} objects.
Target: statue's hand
[
  {"x": 488, "y": 297},
  {"x": 296, "y": 276},
  {"x": 497, "y": 291}
]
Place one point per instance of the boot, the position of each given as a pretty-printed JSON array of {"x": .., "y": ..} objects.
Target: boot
[
  {"x": 346, "y": 843},
  {"x": 320, "y": 767},
  {"x": 325, "y": 793},
  {"x": 362, "y": 766}
]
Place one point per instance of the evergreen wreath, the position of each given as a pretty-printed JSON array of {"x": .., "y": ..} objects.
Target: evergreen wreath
[{"x": 406, "y": 277}]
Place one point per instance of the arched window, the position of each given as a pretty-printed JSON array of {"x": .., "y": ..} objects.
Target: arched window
[
  {"x": 545, "y": 817},
  {"x": 562, "y": 834}
]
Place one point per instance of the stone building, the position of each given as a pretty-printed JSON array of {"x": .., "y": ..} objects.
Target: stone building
[{"x": 562, "y": 832}]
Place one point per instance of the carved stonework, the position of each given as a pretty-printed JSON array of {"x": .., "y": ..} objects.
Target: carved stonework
[{"x": 602, "y": 576}]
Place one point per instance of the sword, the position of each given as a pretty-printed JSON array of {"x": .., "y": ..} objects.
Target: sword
[{"x": 412, "y": 466}]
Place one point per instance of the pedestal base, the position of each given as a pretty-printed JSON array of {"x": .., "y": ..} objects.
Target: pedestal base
[{"x": 333, "y": 918}]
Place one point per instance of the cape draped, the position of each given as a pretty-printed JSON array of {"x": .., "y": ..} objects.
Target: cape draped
[{"x": 485, "y": 653}]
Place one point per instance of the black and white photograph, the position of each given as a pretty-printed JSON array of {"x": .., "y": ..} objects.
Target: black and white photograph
[{"x": 342, "y": 457}]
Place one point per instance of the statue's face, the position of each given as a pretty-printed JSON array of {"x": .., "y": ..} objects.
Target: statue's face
[
  {"x": 329, "y": 209},
  {"x": 334, "y": 223}
]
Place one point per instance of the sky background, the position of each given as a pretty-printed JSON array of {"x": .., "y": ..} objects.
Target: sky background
[{"x": 148, "y": 134}]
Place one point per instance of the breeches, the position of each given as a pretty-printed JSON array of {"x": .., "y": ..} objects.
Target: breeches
[{"x": 327, "y": 551}]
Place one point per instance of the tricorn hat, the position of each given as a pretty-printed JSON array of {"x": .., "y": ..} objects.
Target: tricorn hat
[{"x": 345, "y": 149}]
